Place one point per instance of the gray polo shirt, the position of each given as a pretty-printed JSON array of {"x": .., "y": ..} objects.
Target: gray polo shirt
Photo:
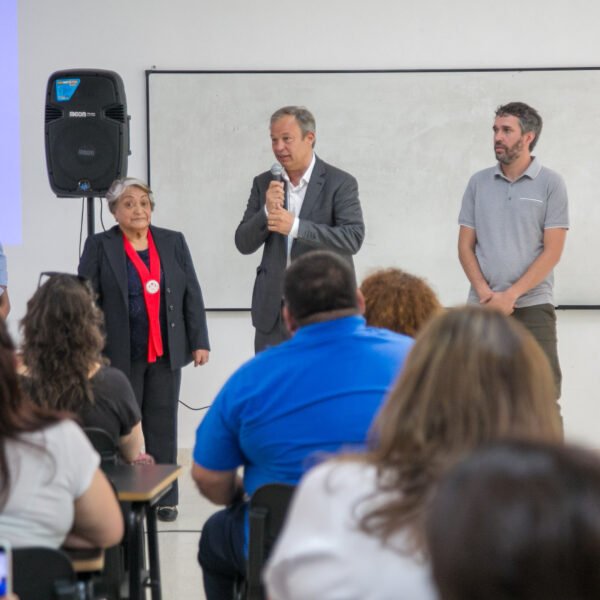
[{"x": 509, "y": 219}]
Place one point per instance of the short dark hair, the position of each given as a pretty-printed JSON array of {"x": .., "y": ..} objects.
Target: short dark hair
[
  {"x": 518, "y": 520},
  {"x": 319, "y": 282},
  {"x": 529, "y": 118}
]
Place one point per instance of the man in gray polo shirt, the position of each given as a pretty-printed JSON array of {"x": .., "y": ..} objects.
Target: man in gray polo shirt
[{"x": 513, "y": 224}]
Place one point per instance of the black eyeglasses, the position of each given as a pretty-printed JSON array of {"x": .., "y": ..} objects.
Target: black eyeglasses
[{"x": 45, "y": 275}]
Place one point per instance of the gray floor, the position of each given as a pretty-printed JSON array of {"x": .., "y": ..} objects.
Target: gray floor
[{"x": 178, "y": 541}]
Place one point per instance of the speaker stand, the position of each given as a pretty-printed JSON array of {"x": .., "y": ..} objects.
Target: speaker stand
[{"x": 91, "y": 220}]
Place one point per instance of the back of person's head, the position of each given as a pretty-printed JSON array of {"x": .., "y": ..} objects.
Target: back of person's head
[
  {"x": 62, "y": 341},
  {"x": 518, "y": 521},
  {"x": 473, "y": 376},
  {"x": 398, "y": 301},
  {"x": 318, "y": 286}
]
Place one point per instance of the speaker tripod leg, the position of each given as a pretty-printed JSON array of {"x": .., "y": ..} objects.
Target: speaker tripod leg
[{"x": 91, "y": 217}]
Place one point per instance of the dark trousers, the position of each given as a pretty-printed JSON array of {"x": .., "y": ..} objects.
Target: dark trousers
[
  {"x": 540, "y": 320},
  {"x": 221, "y": 552},
  {"x": 264, "y": 339},
  {"x": 156, "y": 389}
]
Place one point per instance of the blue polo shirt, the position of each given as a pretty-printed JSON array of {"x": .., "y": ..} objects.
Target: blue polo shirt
[{"x": 313, "y": 394}]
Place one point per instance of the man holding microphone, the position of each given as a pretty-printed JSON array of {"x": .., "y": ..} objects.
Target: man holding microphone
[{"x": 305, "y": 205}]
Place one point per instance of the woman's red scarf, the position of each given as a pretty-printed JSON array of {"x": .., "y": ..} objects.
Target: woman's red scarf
[{"x": 150, "y": 279}]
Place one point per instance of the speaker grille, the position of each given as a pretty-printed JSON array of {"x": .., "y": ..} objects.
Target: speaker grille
[
  {"x": 52, "y": 113},
  {"x": 116, "y": 113}
]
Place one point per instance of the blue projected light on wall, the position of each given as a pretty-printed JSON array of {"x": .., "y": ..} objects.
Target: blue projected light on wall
[{"x": 10, "y": 148}]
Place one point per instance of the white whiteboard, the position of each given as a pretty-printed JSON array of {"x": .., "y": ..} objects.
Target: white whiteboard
[{"x": 412, "y": 140}]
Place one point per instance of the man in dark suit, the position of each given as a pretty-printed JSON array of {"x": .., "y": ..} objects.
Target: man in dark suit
[{"x": 316, "y": 206}]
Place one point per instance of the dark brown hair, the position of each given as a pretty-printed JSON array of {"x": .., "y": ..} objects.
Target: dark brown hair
[
  {"x": 319, "y": 282},
  {"x": 529, "y": 118},
  {"x": 518, "y": 521},
  {"x": 62, "y": 341}
]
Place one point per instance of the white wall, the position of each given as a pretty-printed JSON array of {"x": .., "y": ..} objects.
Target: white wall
[{"x": 130, "y": 36}]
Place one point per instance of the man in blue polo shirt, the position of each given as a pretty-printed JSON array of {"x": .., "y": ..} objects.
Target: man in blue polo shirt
[
  {"x": 313, "y": 394},
  {"x": 513, "y": 224}
]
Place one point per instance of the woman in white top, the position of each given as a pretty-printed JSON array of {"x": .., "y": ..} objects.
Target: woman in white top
[
  {"x": 52, "y": 492},
  {"x": 355, "y": 528}
]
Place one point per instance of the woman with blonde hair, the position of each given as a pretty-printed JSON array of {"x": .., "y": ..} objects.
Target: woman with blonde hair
[
  {"x": 399, "y": 301},
  {"x": 356, "y": 525}
]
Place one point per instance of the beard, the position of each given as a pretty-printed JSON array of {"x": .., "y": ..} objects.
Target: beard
[{"x": 509, "y": 154}]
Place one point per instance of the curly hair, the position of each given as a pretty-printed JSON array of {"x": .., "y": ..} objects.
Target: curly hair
[
  {"x": 62, "y": 341},
  {"x": 398, "y": 301},
  {"x": 473, "y": 376}
]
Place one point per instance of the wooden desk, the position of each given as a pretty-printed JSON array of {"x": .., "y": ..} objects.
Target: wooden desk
[
  {"x": 86, "y": 560},
  {"x": 143, "y": 486}
]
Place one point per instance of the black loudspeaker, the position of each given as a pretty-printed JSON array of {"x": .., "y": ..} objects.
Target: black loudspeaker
[{"x": 87, "y": 132}]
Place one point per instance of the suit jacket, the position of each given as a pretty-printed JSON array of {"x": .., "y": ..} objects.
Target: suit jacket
[
  {"x": 103, "y": 262},
  {"x": 330, "y": 219}
]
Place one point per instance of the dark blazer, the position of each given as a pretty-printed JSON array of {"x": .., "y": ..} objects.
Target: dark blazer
[
  {"x": 330, "y": 219},
  {"x": 103, "y": 263}
]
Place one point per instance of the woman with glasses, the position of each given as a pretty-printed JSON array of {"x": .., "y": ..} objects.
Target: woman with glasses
[
  {"x": 147, "y": 289},
  {"x": 64, "y": 366}
]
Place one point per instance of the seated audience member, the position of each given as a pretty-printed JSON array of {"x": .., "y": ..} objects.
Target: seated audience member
[
  {"x": 398, "y": 301},
  {"x": 52, "y": 492},
  {"x": 313, "y": 393},
  {"x": 355, "y": 527},
  {"x": 518, "y": 521},
  {"x": 64, "y": 368}
]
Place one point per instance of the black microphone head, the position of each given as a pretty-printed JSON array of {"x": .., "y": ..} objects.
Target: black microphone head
[{"x": 277, "y": 172}]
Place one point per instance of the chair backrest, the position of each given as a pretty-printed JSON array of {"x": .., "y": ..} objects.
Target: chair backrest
[
  {"x": 268, "y": 508},
  {"x": 104, "y": 444},
  {"x": 39, "y": 573}
]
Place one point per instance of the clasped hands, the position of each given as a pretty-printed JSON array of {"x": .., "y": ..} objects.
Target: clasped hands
[
  {"x": 279, "y": 220},
  {"x": 502, "y": 301}
]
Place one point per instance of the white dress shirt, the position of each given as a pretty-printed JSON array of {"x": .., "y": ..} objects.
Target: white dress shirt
[{"x": 294, "y": 200}]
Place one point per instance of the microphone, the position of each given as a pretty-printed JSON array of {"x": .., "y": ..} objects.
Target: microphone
[{"x": 277, "y": 172}]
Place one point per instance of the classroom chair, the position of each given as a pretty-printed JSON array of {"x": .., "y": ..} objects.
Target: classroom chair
[{"x": 267, "y": 511}]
